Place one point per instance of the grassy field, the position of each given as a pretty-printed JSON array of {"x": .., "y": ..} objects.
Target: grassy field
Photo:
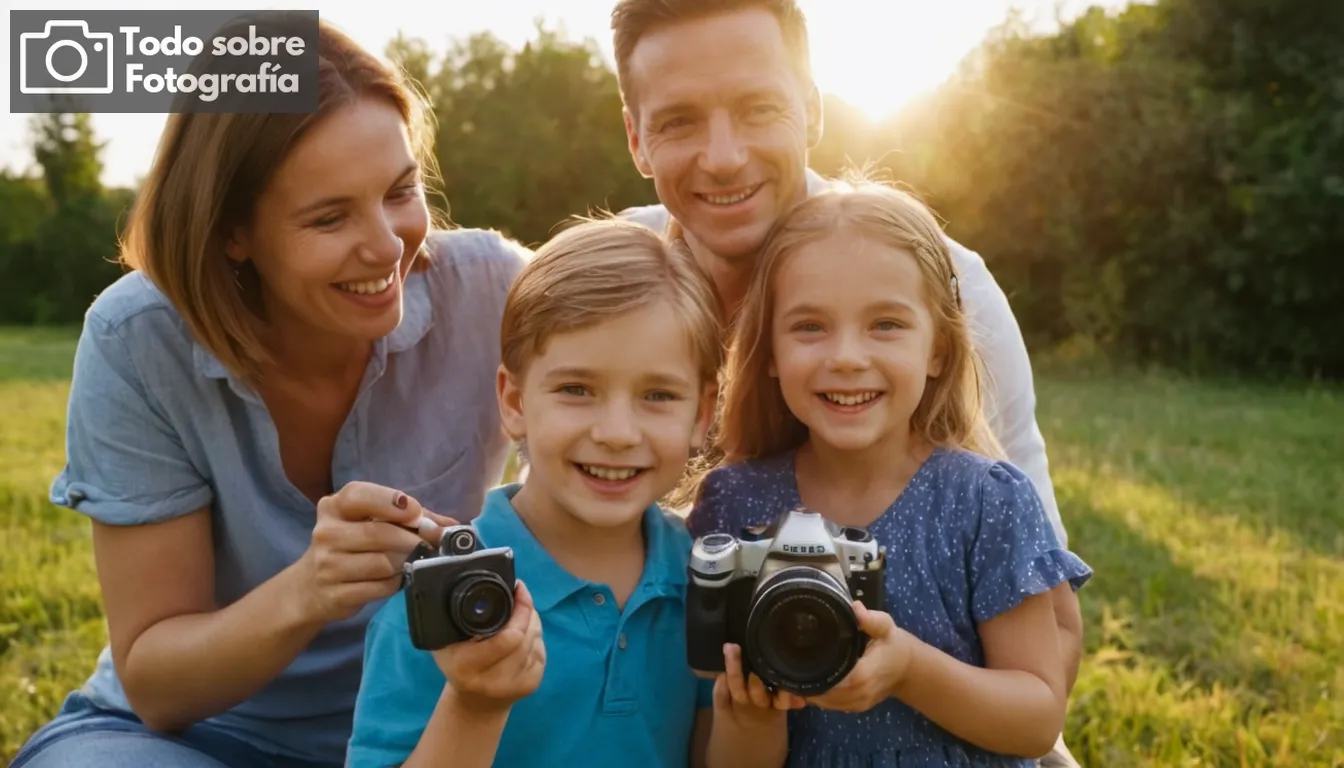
[{"x": 1213, "y": 515}]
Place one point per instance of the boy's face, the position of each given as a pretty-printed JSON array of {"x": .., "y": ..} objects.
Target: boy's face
[{"x": 611, "y": 414}]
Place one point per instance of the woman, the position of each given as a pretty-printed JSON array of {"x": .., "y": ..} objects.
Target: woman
[{"x": 258, "y": 413}]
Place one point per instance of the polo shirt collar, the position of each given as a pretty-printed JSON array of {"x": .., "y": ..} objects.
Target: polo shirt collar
[{"x": 499, "y": 525}]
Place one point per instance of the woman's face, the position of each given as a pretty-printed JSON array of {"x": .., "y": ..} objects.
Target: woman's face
[{"x": 336, "y": 231}]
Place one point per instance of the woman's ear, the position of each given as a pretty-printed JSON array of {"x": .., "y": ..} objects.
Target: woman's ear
[
  {"x": 235, "y": 248},
  {"x": 509, "y": 392}
]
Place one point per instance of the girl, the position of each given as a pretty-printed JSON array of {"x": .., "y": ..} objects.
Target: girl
[{"x": 852, "y": 390}]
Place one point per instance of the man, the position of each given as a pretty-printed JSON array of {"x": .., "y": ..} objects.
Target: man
[{"x": 721, "y": 111}]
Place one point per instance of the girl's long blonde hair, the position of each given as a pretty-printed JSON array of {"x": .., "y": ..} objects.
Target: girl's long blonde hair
[{"x": 756, "y": 422}]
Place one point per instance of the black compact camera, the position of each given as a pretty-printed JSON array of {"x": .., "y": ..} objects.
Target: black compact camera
[
  {"x": 784, "y": 596},
  {"x": 462, "y": 592}
]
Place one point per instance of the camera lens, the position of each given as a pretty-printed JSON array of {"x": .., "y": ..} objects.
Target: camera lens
[
  {"x": 460, "y": 543},
  {"x": 482, "y": 604},
  {"x": 801, "y": 631}
]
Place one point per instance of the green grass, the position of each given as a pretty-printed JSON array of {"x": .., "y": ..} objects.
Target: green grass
[{"x": 1212, "y": 513}]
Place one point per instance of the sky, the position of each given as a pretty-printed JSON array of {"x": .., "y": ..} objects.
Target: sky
[{"x": 875, "y": 54}]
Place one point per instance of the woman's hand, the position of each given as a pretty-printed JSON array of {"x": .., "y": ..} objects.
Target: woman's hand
[
  {"x": 881, "y": 668},
  {"x": 360, "y": 542},
  {"x": 746, "y": 703},
  {"x": 489, "y": 674}
]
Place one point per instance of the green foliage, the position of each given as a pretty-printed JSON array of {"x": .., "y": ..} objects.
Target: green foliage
[
  {"x": 1164, "y": 182},
  {"x": 526, "y": 138},
  {"x": 58, "y": 233},
  {"x": 1161, "y": 184}
]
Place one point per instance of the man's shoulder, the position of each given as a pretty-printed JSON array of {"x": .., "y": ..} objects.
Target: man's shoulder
[
  {"x": 970, "y": 265},
  {"x": 654, "y": 216},
  {"x": 468, "y": 250}
]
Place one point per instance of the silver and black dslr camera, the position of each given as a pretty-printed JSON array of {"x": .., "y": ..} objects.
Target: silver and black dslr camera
[
  {"x": 462, "y": 592},
  {"x": 784, "y": 596}
]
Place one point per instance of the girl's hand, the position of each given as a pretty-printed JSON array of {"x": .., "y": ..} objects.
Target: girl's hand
[
  {"x": 358, "y": 546},
  {"x": 489, "y": 674},
  {"x": 746, "y": 703},
  {"x": 881, "y": 668}
]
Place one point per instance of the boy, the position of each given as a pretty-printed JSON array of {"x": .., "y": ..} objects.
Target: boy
[{"x": 610, "y": 352}]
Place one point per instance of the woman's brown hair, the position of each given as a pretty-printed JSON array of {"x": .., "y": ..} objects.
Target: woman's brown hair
[
  {"x": 756, "y": 421},
  {"x": 208, "y": 172}
]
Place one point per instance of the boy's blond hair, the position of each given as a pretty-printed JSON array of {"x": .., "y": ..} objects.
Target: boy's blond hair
[
  {"x": 599, "y": 269},
  {"x": 756, "y": 420}
]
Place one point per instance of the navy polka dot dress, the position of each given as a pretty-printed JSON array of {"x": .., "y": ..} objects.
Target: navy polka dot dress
[{"x": 966, "y": 540}]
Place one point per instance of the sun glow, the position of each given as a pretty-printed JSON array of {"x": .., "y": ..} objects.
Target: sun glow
[{"x": 879, "y": 56}]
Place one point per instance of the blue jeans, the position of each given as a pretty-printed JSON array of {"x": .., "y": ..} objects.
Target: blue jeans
[{"x": 82, "y": 734}]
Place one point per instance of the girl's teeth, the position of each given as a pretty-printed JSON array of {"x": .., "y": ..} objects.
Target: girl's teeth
[
  {"x": 610, "y": 473},
  {"x": 368, "y": 286},
  {"x": 858, "y": 399},
  {"x": 728, "y": 199}
]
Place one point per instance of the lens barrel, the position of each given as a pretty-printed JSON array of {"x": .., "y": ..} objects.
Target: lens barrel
[{"x": 802, "y": 634}]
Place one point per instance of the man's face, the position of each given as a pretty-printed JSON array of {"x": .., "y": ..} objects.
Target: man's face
[{"x": 721, "y": 121}]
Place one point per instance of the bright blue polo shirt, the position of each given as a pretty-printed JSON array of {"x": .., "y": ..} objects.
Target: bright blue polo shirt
[{"x": 616, "y": 690}]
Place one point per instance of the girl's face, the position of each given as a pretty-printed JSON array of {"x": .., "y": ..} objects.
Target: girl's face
[
  {"x": 854, "y": 341},
  {"x": 336, "y": 230},
  {"x": 611, "y": 414}
]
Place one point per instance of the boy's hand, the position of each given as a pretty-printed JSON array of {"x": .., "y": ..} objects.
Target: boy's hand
[
  {"x": 490, "y": 674},
  {"x": 746, "y": 703},
  {"x": 881, "y": 668}
]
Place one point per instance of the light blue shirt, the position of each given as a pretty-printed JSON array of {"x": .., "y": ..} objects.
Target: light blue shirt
[
  {"x": 616, "y": 690},
  {"x": 157, "y": 429}
]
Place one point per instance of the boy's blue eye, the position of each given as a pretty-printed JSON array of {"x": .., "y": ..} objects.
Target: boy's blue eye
[
  {"x": 578, "y": 390},
  {"x": 888, "y": 325}
]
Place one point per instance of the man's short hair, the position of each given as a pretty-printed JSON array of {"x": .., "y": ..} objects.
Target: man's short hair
[{"x": 632, "y": 19}]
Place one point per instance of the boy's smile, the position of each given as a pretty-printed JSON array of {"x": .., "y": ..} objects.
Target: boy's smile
[{"x": 610, "y": 414}]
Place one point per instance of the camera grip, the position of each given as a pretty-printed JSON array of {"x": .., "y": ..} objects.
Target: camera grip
[
  {"x": 706, "y": 627},
  {"x": 868, "y": 587}
]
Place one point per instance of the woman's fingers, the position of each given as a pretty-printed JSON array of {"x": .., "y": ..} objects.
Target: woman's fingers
[{"x": 361, "y": 501}]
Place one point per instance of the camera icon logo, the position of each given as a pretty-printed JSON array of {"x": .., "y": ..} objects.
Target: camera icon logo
[{"x": 39, "y": 71}]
